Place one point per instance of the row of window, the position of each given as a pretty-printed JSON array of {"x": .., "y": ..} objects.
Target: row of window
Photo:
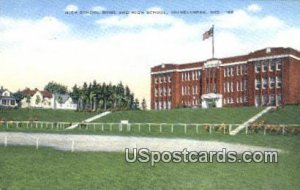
[
  {"x": 192, "y": 103},
  {"x": 159, "y": 105},
  {"x": 270, "y": 100},
  {"x": 239, "y": 70},
  {"x": 8, "y": 102},
  {"x": 161, "y": 91},
  {"x": 238, "y": 100},
  {"x": 239, "y": 87},
  {"x": 164, "y": 79},
  {"x": 263, "y": 83},
  {"x": 271, "y": 65},
  {"x": 192, "y": 75},
  {"x": 185, "y": 90}
]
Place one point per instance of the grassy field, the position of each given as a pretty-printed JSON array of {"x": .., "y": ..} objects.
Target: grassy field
[
  {"x": 286, "y": 115},
  {"x": 44, "y": 115},
  {"x": 220, "y": 115},
  {"x": 28, "y": 168}
]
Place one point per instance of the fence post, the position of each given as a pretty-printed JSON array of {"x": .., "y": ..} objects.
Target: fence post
[
  {"x": 283, "y": 131},
  {"x": 264, "y": 130},
  {"x": 110, "y": 127},
  {"x": 197, "y": 129},
  {"x": 224, "y": 130},
  {"x": 246, "y": 130},
  {"x": 102, "y": 127},
  {"x": 5, "y": 141},
  {"x": 72, "y": 147},
  {"x": 209, "y": 129},
  {"x": 94, "y": 126},
  {"x": 149, "y": 127},
  {"x": 139, "y": 127},
  {"x": 185, "y": 128},
  {"x": 37, "y": 143},
  {"x": 160, "y": 128},
  {"x": 172, "y": 128},
  {"x": 229, "y": 130},
  {"x": 120, "y": 127}
]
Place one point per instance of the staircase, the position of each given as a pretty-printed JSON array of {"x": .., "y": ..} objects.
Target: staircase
[{"x": 251, "y": 120}]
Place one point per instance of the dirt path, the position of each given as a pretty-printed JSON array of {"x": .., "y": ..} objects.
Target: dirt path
[{"x": 119, "y": 143}]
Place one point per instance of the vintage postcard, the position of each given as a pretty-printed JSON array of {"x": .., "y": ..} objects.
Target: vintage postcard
[{"x": 171, "y": 94}]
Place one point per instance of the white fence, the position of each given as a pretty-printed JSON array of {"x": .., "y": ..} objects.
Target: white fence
[{"x": 185, "y": 128}]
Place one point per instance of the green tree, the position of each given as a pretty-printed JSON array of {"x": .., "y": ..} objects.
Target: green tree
[
  {"x": 38, "y": 100},
  {"x": 56, "y": 88}
]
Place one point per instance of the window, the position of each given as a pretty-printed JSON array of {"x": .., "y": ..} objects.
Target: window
[
  {"x": 12, "y": 102},
  {"x": 155, "y": 80},
  {"x": 160, "y": 91},
  {"x": 241, "y": 85},
  {"x": 272, "y": 82},
  {"x": 228, "y": 71},
  {"x": 165, "y": 80},
  {"x": 245, "y": 67},
  {"x": 225, "y": 101},
  {"x": 155, "y": 92},
  {"x": 257, "y": 101},
  {"x": 3, "y": 102},
  {"x": 242, "y": 67},
  {"x": 237, "y": 86},
  {"x": 272, "y": 65},
  {"x": 225, "y": 73},
  {"x": 257, "y": 84},
  {"x": 272, "y": 100},
  {"x": 193, "y": 76},
  {"x": 278, "y": 82},
  {"x": 228, "y": 90},
  {"x": 169, "y": 79},
  {"x": 265, "y": 100},
  {"x": 265, "y": 66},
  {"x": 245, "y": 85},
  {"x": 225, "y": 87},
  {"x": 182, "y": 90},
  {"x": 182, "y": 76},
  {"x": 245, "y": 99},
  {"x": 257, "y": 67},
  {"x": 265, "y": 83},
  {"x": 160, "y": 79},
  {"x": 169, "y": 104},
  {"x": 279, "y": 99},
  {"x": 231, "y": 71},
  {"x": 278, "y": 65},
  {"x": 188, "y": 76},
  {"x": 169, "y": 91},
  {"x": 237, "y": 70},
  {"x": 231, "y": 86},
  {"x": 241, "y": 99},
  {"x": 237, "y": 100}
]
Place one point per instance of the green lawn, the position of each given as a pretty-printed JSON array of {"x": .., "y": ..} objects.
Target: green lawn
[
  {"x": 286, "y": 115},
  {"x": 215, "y": 115},
  {"x": 28, "y": 168},
  {"x": 44, "y": 115}
]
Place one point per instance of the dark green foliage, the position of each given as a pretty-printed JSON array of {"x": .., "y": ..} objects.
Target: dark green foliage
[{"x": 56, "y": 88}]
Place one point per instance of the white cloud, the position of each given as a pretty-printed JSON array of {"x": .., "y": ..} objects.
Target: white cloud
[
  {"x": 98, "y": 8},
  {"x": 71, "y": 7},
  {"x": 254, "y": 8}
]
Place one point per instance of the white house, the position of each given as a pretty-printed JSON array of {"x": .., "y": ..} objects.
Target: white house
[
  {"x": 64, "y": 101},
  {"x": 6, "y": 99},
  {"x": 44, "y": 99}
]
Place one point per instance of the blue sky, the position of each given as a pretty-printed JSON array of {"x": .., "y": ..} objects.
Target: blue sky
[{"x": 40, "y": 43}]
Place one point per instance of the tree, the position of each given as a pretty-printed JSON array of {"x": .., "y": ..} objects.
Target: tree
[
  {"x": 136, "y": 104},
  {"x": 144, "y": 104},
  {"x": 56, "y": 88},
  {"x": 19, "y": 96}
]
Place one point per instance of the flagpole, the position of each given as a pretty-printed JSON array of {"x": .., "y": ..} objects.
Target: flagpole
[{"x": 213, "y": 42}]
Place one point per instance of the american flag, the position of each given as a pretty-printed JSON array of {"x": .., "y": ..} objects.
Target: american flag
[{"x": 208, "y": 33}]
